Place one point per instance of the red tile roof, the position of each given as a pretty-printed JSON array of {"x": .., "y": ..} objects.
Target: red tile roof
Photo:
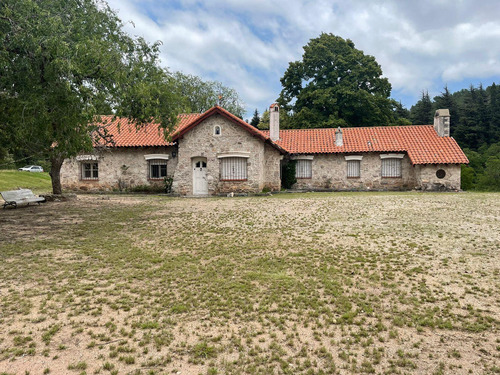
[
  {"x": 421, "y": 142},
  {"x": 126, "y": 134}
]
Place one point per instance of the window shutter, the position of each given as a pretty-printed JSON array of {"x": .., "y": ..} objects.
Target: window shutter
[
  {"x": 391, "y": 167},
  {"x": 233, "y": 168},
  {"x": 303, "y": 168},
  {"x": 353, "y": 168}
]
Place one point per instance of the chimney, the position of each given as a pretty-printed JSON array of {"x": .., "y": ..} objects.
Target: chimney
[
  {"x": 338, "y": 137},
  {"x": 274, "y": 122},
  {"x": 442, "y": 122}
]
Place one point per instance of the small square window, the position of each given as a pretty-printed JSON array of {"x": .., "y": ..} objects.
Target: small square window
[
  {"x": 90, "y": 171},
  {"x": 157, "y": 169}
]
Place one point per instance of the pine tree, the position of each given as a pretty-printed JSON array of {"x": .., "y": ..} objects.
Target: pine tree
[
  {"x": 494, "y": 111},
  {"x": 255, "y": 119},
  {"x": 447, "y": 101},
  {"x": 421, "y": 112}
]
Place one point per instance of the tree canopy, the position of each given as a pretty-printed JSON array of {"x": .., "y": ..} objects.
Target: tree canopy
[
  {"x": 199, "y": 95},
  {"x": 65, "y": 61},
  {"x": 336, "y": 84}
]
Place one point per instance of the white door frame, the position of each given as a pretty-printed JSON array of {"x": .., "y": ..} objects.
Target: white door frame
[{"x": 200, "y": 182}]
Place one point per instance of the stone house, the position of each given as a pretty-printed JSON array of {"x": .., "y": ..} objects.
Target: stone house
[{"x": 216, "y": 153}]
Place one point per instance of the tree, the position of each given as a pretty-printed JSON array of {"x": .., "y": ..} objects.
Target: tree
[
  {"x": 199, "y": 96},
  {"x": 421, "y": 112},
  {"x": 336, "y": 84},
  {"x": 255, "y": 119},
  {"x": 447, "y": 101},
  {"x": 64, "y": 61},
  {"x": 265, "y": 119}
]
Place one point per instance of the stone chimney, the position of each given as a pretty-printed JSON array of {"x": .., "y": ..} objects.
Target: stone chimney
[
  {"x": 274, "y": 122},
  {"x": 338, "y": 137},
  {"x": 442, "y": 122}
]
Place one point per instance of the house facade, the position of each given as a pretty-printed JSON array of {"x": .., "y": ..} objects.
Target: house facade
[{"x": 217, "y": 153}]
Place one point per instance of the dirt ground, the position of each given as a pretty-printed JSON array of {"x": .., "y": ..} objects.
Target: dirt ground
[{"x": 330, "y": 283}]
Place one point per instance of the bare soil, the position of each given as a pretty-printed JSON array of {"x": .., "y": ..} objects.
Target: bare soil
[{"x": 330, "y": 283}]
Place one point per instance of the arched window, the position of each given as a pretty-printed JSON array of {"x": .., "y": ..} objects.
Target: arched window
[{"x": 217, "y": 130}]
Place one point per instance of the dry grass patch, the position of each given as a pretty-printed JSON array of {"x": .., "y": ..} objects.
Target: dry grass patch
[{"x": 290, "y": 284}]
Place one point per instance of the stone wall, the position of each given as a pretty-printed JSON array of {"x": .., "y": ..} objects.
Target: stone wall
[
  {"x": 119, "y": 169},
  {"x": 329, "y": 171},
  {"x": 428, "y": 179},
  {"x": 262, "y": 164}
]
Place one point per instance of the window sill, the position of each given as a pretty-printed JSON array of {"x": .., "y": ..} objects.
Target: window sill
[
  {"x": 353, "y": 178},
  {"x": 241, "y": 180},
  {"x": 303, "y": 178},
  {"x": 156, "y": 179},
  {"x": 89, "y": 179},
  {"x": 392, "y": 177}
]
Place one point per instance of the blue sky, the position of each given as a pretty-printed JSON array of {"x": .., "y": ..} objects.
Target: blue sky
[{"x": 247, "y": 45}]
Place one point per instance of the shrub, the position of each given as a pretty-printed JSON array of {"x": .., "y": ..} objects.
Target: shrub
[{"x": 288, "y": 178}]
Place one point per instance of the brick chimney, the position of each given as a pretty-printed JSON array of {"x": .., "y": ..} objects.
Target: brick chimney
[
  {"x": 442, "y": 122},
  {"x": 338, "y": 137},
  {"x": 274, "y": 122}
]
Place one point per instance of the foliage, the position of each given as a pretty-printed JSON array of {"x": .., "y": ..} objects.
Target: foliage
[
  {"x": 167, "y": 183},
  {"x": 65, "y": 61},
  {"x": 255, "y": 119},
  {"x": 199, "y": 96},
  {"x": 483, "y": 171},
  {"x": 264, "y": 120},
  {"x": 288, "y": 178},
  {"x": 421, "y": 112},
  {"x": 336, "y": 84}
]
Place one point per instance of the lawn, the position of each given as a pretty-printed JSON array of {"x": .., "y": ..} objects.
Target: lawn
[
  {"x": 12, "y": 180},
  {"x": 331, "y": 283}
]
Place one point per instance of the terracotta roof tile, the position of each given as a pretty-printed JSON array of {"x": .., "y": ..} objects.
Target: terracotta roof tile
[
  {"x": 421, "y": 142},
  {"x": 126, "y": 134}
]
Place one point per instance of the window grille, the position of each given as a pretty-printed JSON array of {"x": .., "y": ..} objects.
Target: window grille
[
  {"x": 303, "y": 168},
  {"x": 233, "y": 168},
  {"x": 391, "y": 167},
  {"x": 353, "y": 168},
  {"x": 90, "y": 171},
  {"x": 157, "y": 169}
]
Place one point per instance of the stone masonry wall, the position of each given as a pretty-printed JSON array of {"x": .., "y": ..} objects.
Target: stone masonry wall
[
  {"x": 201, "y": 142},
  {"x": 119, "y": 168},
  {"x": 329, "y": 171},
  {"x": 272, "y": 177},
  {"x": 428, "y": 179}
]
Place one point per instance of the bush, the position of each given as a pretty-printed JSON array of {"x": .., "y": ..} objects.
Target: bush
[{"x": 288, "y": 178}]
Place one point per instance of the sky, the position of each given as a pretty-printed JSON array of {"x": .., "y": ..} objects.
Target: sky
[{"x": 248, "y": 44}]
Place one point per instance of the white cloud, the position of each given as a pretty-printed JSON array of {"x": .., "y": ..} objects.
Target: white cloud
[{"x": 247, "y": 45}]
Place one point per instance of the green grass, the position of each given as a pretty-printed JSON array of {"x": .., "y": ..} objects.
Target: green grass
[{"x": 12, "y": 180}]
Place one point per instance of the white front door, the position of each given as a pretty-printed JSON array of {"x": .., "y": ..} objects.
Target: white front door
[{"x": 200, "y": 183}]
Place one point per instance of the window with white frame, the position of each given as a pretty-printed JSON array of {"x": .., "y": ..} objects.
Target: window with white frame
[
  {"x": 391, "y": 165},
  {"x": 90, "y": 171},
  {"x": 157, "y": 169},
  {"x": 233, "y": 169},
  {"x": 303, "y": 168},
  {"x": 353, "y": 166}
]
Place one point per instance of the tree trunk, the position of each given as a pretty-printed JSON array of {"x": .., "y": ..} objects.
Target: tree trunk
[{"x": 55, "y": 173}]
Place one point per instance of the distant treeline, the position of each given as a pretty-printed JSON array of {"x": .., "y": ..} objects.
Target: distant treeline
[{"x": 475, "y": 125}]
